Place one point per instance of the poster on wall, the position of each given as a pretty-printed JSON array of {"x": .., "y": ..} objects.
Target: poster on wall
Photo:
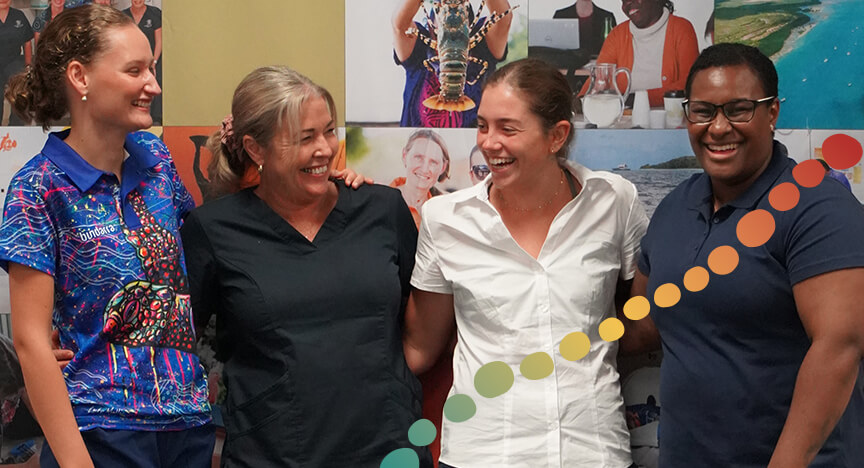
[
  {"x": 29, "y": 19},
  {"x": 818, "y": 49},
  {"x": 17, "y": 146},
  {"x": 598, "y": 39},
  {"x": 395, "y": 51}
]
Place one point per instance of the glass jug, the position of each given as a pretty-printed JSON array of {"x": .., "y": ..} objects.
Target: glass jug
[{"x": 603, "y": 103}]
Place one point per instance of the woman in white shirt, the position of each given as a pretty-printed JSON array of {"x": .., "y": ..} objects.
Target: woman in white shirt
[{"x": 515, "y": 264}]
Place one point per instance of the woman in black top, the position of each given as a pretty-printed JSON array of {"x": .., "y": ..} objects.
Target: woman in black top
[
  {"x": 15, "y": 48},
  {"x": 308, "y": 281}
]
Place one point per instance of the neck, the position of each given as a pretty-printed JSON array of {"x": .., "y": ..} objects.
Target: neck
[
  {"x": 534, "y": 194},
  {"x": 584, "y": 8},
  {"x": 138, "y": 10},
  {"x": 414, "y": 196},
  {"x": 103, "y": 150},
  {"x": 293, "y": 209}
]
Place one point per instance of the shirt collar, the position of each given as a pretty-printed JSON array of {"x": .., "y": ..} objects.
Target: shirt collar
[
  {"x": 702, "y": 194},
  {"x": 580, "y": 173},
  {"x": 82, "y": 173}
]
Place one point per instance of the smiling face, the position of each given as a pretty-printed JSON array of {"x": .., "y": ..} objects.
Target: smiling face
[
  {"x": 297, "y": 164},
  {"x": 424, "y": 163},
  {"x": 512, "y": 138},
  {"x": 642, "y": 13},
  {"x": 120, "y": 83},
  {"x": 732, "y": 154}
]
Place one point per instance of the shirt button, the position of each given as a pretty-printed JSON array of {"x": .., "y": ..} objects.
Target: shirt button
[{"x": 716, "y": 220}]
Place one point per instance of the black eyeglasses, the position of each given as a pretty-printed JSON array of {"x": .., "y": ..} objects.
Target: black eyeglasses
[
  {"x": 480, "y": 171},
  {"x": 737, "y": 111}
]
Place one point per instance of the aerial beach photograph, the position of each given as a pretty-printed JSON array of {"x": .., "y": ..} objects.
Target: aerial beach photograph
[{"x": 817, "y": 48}]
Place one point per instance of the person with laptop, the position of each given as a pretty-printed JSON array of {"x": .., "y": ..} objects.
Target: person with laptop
[
  {"x": 595, "y": 24},
  {"x": 657, "y": 46}
]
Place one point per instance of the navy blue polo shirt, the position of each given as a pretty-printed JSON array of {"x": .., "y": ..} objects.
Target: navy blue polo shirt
[{"x": 732, "y": 351}]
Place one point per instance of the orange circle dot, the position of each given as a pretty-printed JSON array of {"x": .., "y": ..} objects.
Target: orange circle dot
[
  {"x": 637, "y": 307},
  {"x": 723, "y": 260},
  {"x": 784, "y": 197},
  {"x": 696, "y": 279},
  {"x": 755, "y": 228},
  {"x": 667, "y": 295},
  {"x": 841, "y": 151},
  {"x": 611, "y": 329},
  {"x": 808, "y": 173}
]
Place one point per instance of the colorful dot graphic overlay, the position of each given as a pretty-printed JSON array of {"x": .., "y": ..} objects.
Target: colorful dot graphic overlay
[{"x": 753, "y": 230}]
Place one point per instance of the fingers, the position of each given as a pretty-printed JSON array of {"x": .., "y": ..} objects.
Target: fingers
[
  {"x": 351, "y": 178},
  {"x": 63, "y": 356}
]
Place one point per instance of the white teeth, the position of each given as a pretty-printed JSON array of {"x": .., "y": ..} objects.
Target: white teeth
[
  {"x": 500, "y": 161},
  {"x": 141, "y": 103},
  {"x": 728, "y": 147},
  {"x": 316, "y": 170}
]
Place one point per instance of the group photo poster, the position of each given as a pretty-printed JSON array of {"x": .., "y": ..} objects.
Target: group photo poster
[{"x": 26, "y": 19}]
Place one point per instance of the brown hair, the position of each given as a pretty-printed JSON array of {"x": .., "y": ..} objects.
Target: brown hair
[
  {"x": 435, "y": 138},
  {"x": 39, "y": 92},
  {"x": 267, "y": 99},
  {"x": 544, "y": 89}
]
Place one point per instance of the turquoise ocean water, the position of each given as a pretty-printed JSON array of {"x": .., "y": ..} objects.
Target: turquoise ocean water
[{"x": 822, "y": 78}]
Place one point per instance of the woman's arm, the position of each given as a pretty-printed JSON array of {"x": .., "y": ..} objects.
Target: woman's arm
[
  {"x": 430, "y": 321},
  {"x": 157, "y": 45},
  {"x": 403, "y": 19},
  {"x": 31, "y": 298},
  {"x": 496, "y": 38},
  {"x": 829, "y": 306}
]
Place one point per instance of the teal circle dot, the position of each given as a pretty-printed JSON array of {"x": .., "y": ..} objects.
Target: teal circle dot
[
  {"x": 493, "y": 379},
  {"x": 401, "y": 458},
  {"x": 459, "y": 408},
  {"x": 422, "y": 432}
]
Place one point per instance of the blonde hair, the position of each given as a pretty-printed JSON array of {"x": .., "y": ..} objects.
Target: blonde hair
[{"x": 266, "y": 101}]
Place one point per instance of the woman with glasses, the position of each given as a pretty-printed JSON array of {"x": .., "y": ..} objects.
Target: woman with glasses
[
  {"x": 759, "y": 364},
  {"x": 514, "y": 264},
  {"x": 477, "y": 168}
]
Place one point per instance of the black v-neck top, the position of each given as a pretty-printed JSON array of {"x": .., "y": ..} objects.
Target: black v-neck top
[{"x": 310, "y": 332}]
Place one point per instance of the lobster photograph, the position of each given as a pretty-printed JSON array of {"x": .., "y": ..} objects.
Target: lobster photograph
[{"x": 437, "y": 52}]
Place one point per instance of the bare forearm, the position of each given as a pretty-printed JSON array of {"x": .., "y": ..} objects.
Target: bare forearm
[
  {"x": 50, "y": 401},
  {"x": 496, "y": 38},
  {"x": 403, "y": 19},
  {"x": 822, "y": 391}
]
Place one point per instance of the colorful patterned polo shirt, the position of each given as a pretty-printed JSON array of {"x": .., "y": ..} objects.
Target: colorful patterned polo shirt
[{"x": 121, "y": 295}]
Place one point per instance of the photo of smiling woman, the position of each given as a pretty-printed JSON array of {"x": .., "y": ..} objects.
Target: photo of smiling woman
[{"x": 427, "y": 162}]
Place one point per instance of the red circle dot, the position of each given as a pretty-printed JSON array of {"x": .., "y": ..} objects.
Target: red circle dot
[{"x": 841, "y": 151}]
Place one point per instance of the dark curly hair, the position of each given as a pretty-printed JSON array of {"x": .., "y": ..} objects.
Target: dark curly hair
[
  {"x": 39, "y": 92},
  {"x": 727, "y": 54}
]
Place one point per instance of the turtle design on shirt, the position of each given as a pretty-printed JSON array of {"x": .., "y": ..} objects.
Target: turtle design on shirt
[{"x": 155, "y": 311}]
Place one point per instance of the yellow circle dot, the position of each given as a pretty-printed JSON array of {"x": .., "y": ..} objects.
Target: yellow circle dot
[
  {"x": 667, "y": 295},
  {"x": 537, "y": 366},
  {"x": 575, "y": 346},
  {"x": 696, "y": 279},
  {"x": 637, "y": 307},
  {"x": 611, "y": 329}
]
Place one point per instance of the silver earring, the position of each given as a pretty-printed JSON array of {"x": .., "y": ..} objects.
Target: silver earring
[
  {"x": 260, "y": 168},
  {"x": 84, "y": 98},
  {"x": 772, "y": 127}
]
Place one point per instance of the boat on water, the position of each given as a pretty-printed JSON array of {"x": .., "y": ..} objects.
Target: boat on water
[{"x": 621, "y": 167}]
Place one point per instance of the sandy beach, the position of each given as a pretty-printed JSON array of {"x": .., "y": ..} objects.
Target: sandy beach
[{"x": 816, "y": 14}]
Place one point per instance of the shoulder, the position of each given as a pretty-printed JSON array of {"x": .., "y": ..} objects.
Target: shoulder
[
  {"x": 37, "y": 174},
  {"x": 614, "y": 183},
  {"x": 681, "y": 25},
  {"x": 569, "y": 12},
  {"x": 223, "y": 208},
  {"x": 446, "y": 206},
  {"x": 370, "y": 194}
]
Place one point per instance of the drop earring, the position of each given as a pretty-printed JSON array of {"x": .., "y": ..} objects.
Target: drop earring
[{"x": 84, "y": 98}]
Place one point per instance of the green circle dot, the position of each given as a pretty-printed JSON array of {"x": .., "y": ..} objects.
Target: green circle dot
[
  {"x": 401, "y": 458},
  {"x": 422, "y": 432},
  {"x": 459, "y": 408},
  {"x": 493, "y": 379},
  {"x": 537, "y": 366}
]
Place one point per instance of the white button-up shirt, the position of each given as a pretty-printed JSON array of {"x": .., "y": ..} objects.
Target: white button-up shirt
[{"x": 509, "y": 305}]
